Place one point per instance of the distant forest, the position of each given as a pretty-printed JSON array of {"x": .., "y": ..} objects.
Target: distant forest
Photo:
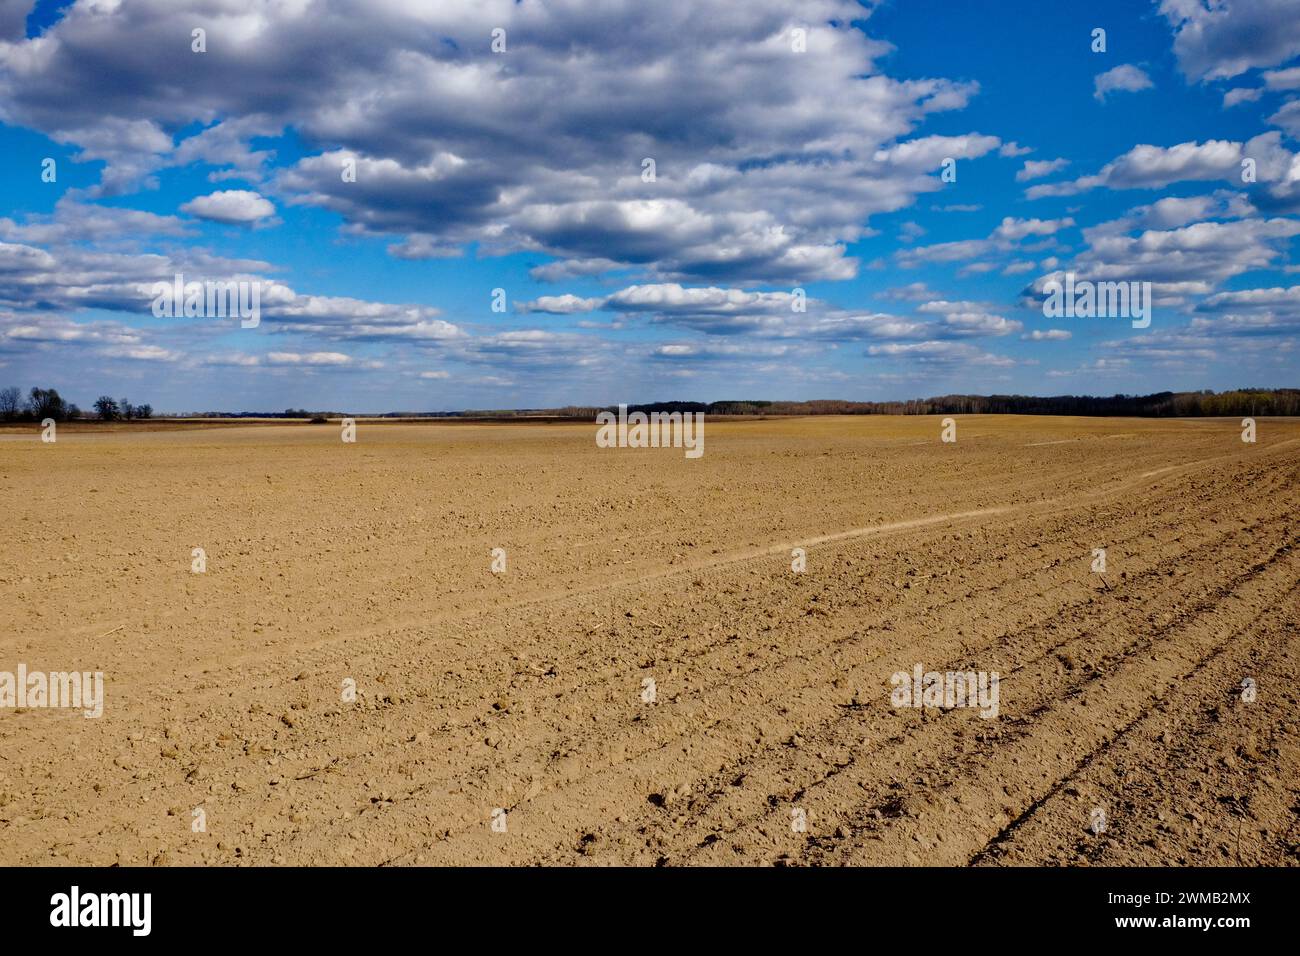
[
  {"x": 44, "y": 403},
  {"x": 1246, "y": 401}
]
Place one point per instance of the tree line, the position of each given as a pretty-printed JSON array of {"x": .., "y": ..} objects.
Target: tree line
[
  {"x": 43, "y": 403},
  {"x": 1245, "y": 401}
]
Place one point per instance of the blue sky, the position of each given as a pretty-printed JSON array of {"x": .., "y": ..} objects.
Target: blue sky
[{"x": 783, "y": 161}]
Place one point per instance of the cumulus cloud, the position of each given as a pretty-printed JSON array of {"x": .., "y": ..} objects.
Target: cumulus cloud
[
  {"x": 1256, "y": 299},
  {"x": 143, "y": 353},
  {"x": 738, "y": 312},
  {"x": 1174, "y": 211},
  {"x": 72, "y": 277},
  {"x": 1186, "y": 349},
  {"x": 1185, "y": 261},
  {"x": 560, "y": 304},
  {"x": 13, "y": 18},
  {"x": 1126, "y": 78},
  {"x": 1219, "y": 40},
  {"x": 1154, "y": 167},
  {"x": 719, "y": 351},
  {"x": 770, "y": 167},
  {"x": 21, "y": 331},
  {"x": 232, "y": 206},
  {"x": 1241, "y": 95},
  {"x": 310, "y": 358},
  {"x": 1257, "y": 311},
  {"x": 1288, "y": 117},
  {"x": 1288, "y": 79},
  {"x": 1014, "y": 229},
  {"x": 74, "y": 221},
  {"x": 572, "y": 269},
  {"x": 1038, "y": 168},
  {"x": 760, "y": 174},
  {"x": 1004, "y": 238},
  {"x": 963, "y": 319},
  {"x": 1047, "y": 335}
]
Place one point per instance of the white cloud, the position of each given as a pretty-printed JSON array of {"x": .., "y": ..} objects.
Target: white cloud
[
  {"x": 1004, "y": 238},
  {"x": 310, "y": 358},
  {"x": 1255, "y": 311},
  {"x": 233, "y": 206},
  {"x": 1189, "y": 260},
  {"x": 940, "y": 353},
  {"x": 560, "y": 304},
  {"x": 965, "y": 319},
  {"x": 762, "y": 176},
  {"x": 143, "y": 353},
  {"x": 1288, "y": 117},
  {"x": 1214, "y": 39},
  {"x": 1288, "y": 79},
  {"x": 1126, "y": 78},
  {"x": 1013, "y": 229},
  {"x": 1241, "y": 95},
  {"x": 1047, "y": 335},
  {"x": 1038, "y": 168},
  {"x": 1154, "y": 167}
]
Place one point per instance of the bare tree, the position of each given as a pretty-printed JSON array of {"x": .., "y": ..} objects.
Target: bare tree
[
  {"x": 45, "y": 403},
  {"x": 11, "y": 402}
]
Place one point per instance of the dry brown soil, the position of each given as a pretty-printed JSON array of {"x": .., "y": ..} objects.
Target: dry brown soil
[{"x": 523, "y": 691}]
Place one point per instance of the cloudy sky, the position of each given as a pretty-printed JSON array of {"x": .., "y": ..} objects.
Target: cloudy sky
[{"x": 382, "y": 167}]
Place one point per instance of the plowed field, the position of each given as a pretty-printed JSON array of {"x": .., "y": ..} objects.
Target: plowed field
[{"x": 649, "y": 682}]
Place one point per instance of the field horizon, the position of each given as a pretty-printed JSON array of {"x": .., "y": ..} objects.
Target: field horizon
[{"x": 526, "y": 418}]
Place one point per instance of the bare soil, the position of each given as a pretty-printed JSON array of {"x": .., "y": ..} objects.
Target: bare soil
[{"x": 523, "y": 691}]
